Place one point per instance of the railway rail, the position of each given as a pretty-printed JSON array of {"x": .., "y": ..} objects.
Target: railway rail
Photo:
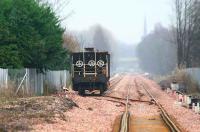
[
  {"x": 123, "y": 122},
  {"x": 113, "y": 83},
  {"x": 124, "y": 127},
  {"x": 166, "y": 118}
]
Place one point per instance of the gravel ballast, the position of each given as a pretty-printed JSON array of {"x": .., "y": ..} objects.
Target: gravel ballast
[{"x": 187, "y": 119}]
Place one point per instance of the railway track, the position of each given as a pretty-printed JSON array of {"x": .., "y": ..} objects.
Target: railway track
[
  {"x": 166, "y": 118},
  {"x": 123, "y": 123},
  {"x": 116, "y": 80},
  {"x": 125, "y": 117},
  {"x": 124, "y": 126},
  {"x": 113, "y": 83}
]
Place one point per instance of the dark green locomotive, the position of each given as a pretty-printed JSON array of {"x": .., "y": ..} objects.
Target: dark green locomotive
[{"x": 90, "y": 70}]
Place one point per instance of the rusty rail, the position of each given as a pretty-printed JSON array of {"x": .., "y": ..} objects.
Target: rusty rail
[
  {"x": 124, "y": 125},
  {"x": 125, "y": 118},
  {"x": 113, "y": 83},
  {"x": 168, "y": 121}
]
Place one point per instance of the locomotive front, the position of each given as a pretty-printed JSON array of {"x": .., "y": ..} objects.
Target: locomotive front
[{"x": 90, "y": 70}]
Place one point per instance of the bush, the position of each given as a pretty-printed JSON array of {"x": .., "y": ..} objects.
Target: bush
[{"x": 191, "y": 84}]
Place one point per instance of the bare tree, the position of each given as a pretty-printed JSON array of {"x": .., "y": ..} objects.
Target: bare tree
[
  {"x": 59, "y": 6},
  {"x": 84, "y": 39},
  {"x": 185, "y": 13},
  {"x": 70, "y": 42},
  {"x": 101, "y": 39}
]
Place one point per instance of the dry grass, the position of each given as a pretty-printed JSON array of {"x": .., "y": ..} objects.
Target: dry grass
[
  {"x": 160, "y": 78},
  {"x": 180, "y": 76},
  {"x": 21, "y": 113},
  {"x": 191, "y": 84},
  {"x": 8, "y": 93}
]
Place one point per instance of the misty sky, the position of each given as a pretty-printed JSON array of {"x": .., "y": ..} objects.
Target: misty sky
[{"x": 124, "y": 18}]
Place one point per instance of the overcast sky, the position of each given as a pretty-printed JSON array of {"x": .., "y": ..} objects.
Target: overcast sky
[{"x": 124, "y": 18}]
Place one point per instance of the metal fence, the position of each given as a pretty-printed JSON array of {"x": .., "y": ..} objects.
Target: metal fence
[
  {"x": 3, "y": 77},
  {"x": 32, "y": 82}
]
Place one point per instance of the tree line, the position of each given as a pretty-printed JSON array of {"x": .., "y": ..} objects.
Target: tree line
[
  {"x": 165, "y": 49},
  {"x": 187, "y": 33},
  {"x": 156, "y": 52},
  {"x": 31, "y": 36}
]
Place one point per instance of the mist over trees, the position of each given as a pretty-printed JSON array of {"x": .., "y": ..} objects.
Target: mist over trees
[
  {"x": 157, "y": 55},
  {"x": 98, "y": 37},
  {"x": 102, "y": 39},
  {"x": 156, "y": 52}
]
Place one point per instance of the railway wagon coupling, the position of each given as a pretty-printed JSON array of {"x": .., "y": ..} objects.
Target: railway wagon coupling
[{"x": 90, "y": 70}]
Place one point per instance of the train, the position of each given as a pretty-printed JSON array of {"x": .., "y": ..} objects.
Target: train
[{"x": 90, "y": 70}]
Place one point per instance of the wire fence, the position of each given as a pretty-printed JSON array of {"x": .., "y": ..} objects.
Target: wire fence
[{"x": 30, "y": 81}]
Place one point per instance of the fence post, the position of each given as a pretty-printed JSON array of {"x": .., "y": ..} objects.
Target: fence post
[
  {"x": 6, "y": 79},
  {"x": 198, "y": 109},
  {"x": 20, "y": 83},
  {"x": 188, "y": 100},
  {"x": 193, "y": 106},
  {"x": 42, "y": 83},
  {"x": 27, "y": 81}
]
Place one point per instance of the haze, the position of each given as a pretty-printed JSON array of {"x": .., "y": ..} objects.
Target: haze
[{"x": 124, "y": 18}]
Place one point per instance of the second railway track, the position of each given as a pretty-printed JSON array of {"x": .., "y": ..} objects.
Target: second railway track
[
  {"x": 128, "y": 123},
  {"x": 166, "y": 118}
]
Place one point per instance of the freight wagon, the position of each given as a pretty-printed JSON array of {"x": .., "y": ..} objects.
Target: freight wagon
[{"x": 90, "y": 70}]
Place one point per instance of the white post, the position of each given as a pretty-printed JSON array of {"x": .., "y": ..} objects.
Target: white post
[
  {"x": 188, "y": 100},
  {"x": 174, "y": 86},
  {"x": 198, "y": 109},
  {"x": 185, "y": 99},
  {"x": 42, "y": 83},
  {"x": 193, "y": 106},
  {"x": 27, "y": 82},
  {"x": 20, "y": 84},
  {"x": 168, "y": 90},
  {"x": 6, "y": 79}
]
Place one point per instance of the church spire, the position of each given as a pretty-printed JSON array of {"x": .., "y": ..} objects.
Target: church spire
[{"x": 145, "y": 27}]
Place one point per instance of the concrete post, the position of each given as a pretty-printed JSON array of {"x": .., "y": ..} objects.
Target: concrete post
[
  {"x": 188, "y": 100},
  {"x": 193, "y": 106},
  {"x": 168, "y": 90},
  {"x": 6, "y": 79},
  {"x": 198, "y": 108},
  {"x": 185, "y": 99}
]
